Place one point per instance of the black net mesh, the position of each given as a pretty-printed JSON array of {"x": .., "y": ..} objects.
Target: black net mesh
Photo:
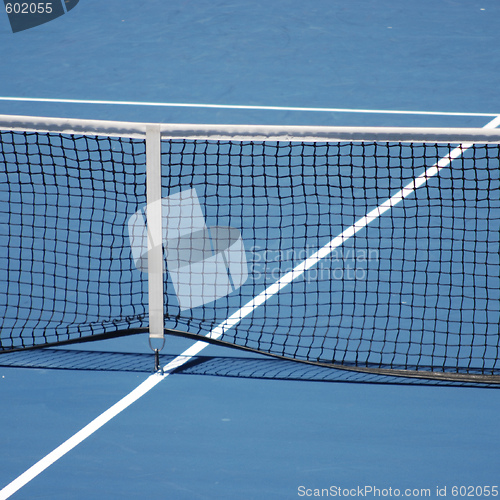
[
  {"x": 65, "y": 263},
  {"x": 417, "y": 289}
]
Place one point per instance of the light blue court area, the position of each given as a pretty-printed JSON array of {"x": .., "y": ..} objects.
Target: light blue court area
[
  {"x": 363, "y": 55},
  {"x": 232, "y": 424}
]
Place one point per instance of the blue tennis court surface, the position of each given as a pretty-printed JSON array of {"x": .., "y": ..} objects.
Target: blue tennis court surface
[{"x": 235, "y": 425}]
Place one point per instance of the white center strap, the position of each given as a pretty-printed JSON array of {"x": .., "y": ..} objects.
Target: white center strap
[{"x": 154, "y": 225}]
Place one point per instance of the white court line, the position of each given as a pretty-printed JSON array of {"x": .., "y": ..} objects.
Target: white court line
[
  {"x": 245, "y": 107},
  {"x": 232, "y": 321}
]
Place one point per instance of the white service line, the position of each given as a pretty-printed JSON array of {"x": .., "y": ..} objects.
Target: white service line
[
  {"x": 232, "y": 321},
  {"x": 237, "y": 106}
]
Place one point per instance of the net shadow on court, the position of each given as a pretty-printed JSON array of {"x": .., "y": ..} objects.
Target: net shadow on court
[{"x": 216, "y": 366}]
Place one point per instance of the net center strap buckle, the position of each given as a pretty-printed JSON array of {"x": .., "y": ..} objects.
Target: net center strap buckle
[{"x": 156, "y": 350}]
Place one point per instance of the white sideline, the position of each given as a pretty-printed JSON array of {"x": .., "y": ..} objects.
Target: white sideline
[
  {"x": 230, "y": 322},
  {"x": 245, "y": 107}
]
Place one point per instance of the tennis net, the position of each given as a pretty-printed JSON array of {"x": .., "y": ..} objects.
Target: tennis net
[{"x": 367, "y": 249}]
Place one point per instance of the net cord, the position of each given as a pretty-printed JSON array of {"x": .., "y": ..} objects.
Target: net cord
[{"x": 251, "y": 133}]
